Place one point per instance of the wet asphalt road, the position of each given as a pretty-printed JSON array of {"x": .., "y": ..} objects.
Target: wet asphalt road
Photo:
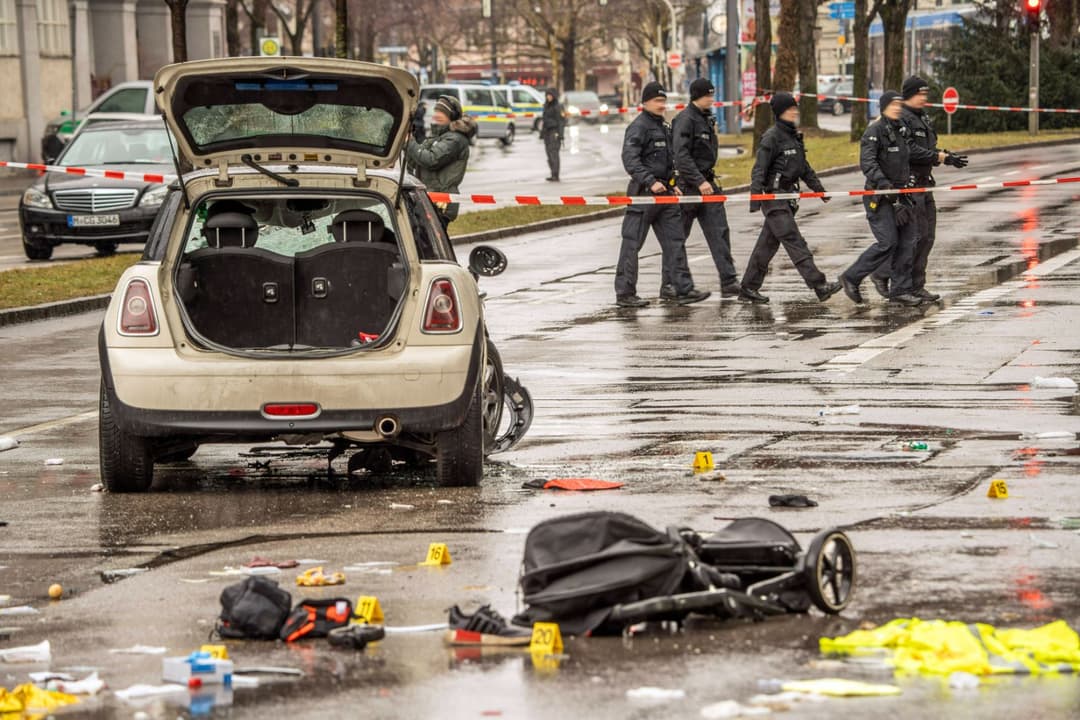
[{"x": 624, "y": 395}]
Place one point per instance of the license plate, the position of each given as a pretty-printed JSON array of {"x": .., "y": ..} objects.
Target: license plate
[{"x": 92, "y": 220}]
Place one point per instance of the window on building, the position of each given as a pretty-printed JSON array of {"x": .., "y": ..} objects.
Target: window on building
[
  {"x": 9, "y": 37},
  {"x": 53, "y": 36}
]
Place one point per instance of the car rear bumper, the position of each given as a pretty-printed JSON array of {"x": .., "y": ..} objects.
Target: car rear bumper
[
  {"x": 252, "y": 424},
  {"x": 50, "y": 227}
]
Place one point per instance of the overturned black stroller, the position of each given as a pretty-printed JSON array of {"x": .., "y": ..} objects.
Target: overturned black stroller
[{"x": 600, "y": 572}]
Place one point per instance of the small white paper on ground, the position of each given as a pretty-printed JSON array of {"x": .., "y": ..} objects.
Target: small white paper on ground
[
  {"x": 89, "y": 685},
  {"x": 8, "y": 443},
  {"x": 731, "y": 709},
  {"x": 139, "y": 650},
  {"x": 654, "y": 694},
  {"x": 844, "y": 410},
  {"x": 19, "y": 610},
  {"x": 55, "y": 461},
  {"x": 1062, "y": 383},
  {"x": 39, "y": 653},
  {"x": 141, "y": 692}
]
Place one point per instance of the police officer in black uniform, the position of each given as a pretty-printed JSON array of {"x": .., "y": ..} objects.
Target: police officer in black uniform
[
  {"x": 551, "y": 130},
  {"x": 647, "y": 156},
  {"x": 925, "y": 156},
  {"x": 694, "y": 131},
  {"x": 883, "y": 158},
  {"x": 780, "y": 164}
]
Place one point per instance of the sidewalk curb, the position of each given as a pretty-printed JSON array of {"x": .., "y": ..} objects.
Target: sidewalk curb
[{"x": 64, "y": 308}]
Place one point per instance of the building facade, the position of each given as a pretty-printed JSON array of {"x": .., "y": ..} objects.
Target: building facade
[{"x": 58, "y": 55}]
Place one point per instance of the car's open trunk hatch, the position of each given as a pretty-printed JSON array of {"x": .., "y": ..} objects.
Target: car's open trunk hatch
[{"x": 291, "y": 274}]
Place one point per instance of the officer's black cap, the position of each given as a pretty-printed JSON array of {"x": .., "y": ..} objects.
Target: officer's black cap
[
  {"x": 888, "y": 98},
  {"x": 782, "y": 101},
  {"x": 913, "y": 86},
  {"x": 653, "y": 90},
  {"x": 700, "y": 88}
]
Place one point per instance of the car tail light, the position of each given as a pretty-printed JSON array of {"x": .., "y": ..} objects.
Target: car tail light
[
  {"x": 442, "y": 314},
  {"x": 137, "y": 316},
  {"x": 290, "y": 410}
]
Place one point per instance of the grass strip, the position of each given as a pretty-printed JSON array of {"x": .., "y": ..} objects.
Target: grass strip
[{"x": 51, "y": 283}]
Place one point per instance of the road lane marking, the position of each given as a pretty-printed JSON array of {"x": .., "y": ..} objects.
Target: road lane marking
[
  {"x": 53, "y": 424},
  {"x": 1012, "y": 172},
  {"x": 855, "y": 214},
  {"x": 867, "y": 351},
  {"x": 988, "y": 178}
]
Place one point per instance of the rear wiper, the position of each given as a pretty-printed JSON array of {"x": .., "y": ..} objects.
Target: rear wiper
[{"x": 288, "y": 182}]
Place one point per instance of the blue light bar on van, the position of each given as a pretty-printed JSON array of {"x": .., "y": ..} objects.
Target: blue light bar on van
[{"x": 287, "y": 85}]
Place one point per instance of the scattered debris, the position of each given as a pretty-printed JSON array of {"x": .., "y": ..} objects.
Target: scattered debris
[
  {"x": 713, "y": 476},
  {"x": 654, "y": 694},
  {"x": 571, "y": 484},
  {"x": 258, "y": 562},
  {"x": 1052, "y": 435},
  {"x": 27, "y": 700},
  {"x": 39, "y": 653},
  {"x": 198, "y": 666},
  {"x": 143, "y": 692},
  {"x": 1062, "y": 383},
  {"x": 268, "y": 670},
  {"x": 731, "y": 709},
  {"x": 402, "y": 506},
  {"x": 97, "y": 487},
  {"x": 844, "y": 410},
  {"x": 963, "y": 681},
  {"x": 56, "y": 591},
  {"x": 19, "y": 610},
  {"x": 840, "y": 687},
  {"x": 55, "y": 461},
  {"x": 89, "y": 685},
  {"x": 314, "y": 577},
  {"x": 8, "y": 443},
  {"x": 916, "y": 446},
  {"x": 139, "y": 650},
  {"x": 794, "y": 501},
  {"x": 1040, "y": 543},
  {"x": 444, "y": 502},
  {"x": 244, "y": 682},
  {"x": 230, "y": 571},
  {"x": 111, "y": 576}
]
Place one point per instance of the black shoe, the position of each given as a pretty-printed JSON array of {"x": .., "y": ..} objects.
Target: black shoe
[
  {"x": 694, "y": 296},
  {"x": 927, "y": 295},
  {"x": 752, "y": 296},
  {"x": 881, "y": 285},
  {"x": 732, "y": 289},
  {"x": 907, "y": 299},
  {"x": 631, "y": 301},
  {"x": 552, "y": 179},
  {"x": 667, "y": 292},
  {"x": 851, "y": 290},
  {"x": 355, "y": 635},
  {"x": 483, "y": 627},
  {"x": 826, "y": 291}
]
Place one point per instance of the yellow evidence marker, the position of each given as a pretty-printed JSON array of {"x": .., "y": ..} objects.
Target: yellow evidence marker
[
  {"x": 368, "y": 611},
  {"x": 546, "y": 639},
  {"x": 218, "y": 652},
  {"x": 437, "y": 554},
  {"x": 703, "y": 462},
  {"x": 998, "y": 490}
]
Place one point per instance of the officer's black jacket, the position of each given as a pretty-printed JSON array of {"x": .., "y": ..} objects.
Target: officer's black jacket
[
  {"x": 552, "y": 118},
  {"x": 922, "y": 145},
  {"x": 694, "y": 134},
  {"x": 781, "y": 163},
  {"x": 883, "y": 155},
  {"x": 647, "y": 153}
]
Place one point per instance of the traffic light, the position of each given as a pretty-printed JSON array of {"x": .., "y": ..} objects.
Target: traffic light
[{"x": 1032, "y": 9}]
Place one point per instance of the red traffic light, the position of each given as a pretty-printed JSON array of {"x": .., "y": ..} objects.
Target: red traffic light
[{"x": 1033, "y": 5}]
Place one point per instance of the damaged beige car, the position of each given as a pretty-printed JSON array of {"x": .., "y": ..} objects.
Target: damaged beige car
[{"x": 297, "y": 288}]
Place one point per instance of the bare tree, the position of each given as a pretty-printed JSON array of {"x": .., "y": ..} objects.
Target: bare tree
[
  {"x": 341, "y": 28},
  {"x": 762, "y": 62},
  {"x": 808, "y": 102},
  {"x": 1063, "y": 16},
  {"x": 894, "y": 21},
  {"x": 232, "y": 28},
  {"x": 788, "y": 35},
  {"x": 300, "y": 12},
  {"x": 560, "y": 28},
  {"x": 861, "y": 30},
  {"x": 178, "y": 15},
  {"x": 256, "y": 11}
]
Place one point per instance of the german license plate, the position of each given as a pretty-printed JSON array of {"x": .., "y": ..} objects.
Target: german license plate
[{"x": 92, "y": 220}]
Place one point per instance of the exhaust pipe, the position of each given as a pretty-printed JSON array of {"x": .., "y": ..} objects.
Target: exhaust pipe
[{"x": 388, "y": 427}]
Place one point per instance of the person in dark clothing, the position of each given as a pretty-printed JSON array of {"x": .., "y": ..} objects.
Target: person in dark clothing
[
  {"x": 440, "y": 160},
  {"x": 419, "y": 130},
  {"x": 694, "y": 132},
  {"x": 647, "y": 156},
  {"x": 925, "y": 156},
  {"x": 883, "y": 158},
  {"x": 779, "y": 166},
  {"x": 551, "y": 130}
]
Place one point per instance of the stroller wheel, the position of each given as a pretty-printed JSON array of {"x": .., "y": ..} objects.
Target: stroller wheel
[{"x": 830, "y": 571}]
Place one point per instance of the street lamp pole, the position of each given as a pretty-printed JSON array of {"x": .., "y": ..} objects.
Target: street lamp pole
[{"x": 674, "y": 39}]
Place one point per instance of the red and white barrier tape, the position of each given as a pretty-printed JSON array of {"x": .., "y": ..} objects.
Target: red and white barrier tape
[
  {"x": 614, "y": 200},
  {"x": 999, "y": 108}
]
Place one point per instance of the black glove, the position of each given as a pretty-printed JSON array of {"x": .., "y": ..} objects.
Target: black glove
[
  {"x": 755, "y": 205},
  {"x": 903, "y": 213},
  {"x": 957, "y": 161}
]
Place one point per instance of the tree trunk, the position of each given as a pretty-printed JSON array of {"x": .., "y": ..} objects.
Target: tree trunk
[
  {"x": 808, "y": 103},
  {"x": 341, "y": 29},
  {"x": 861, "y": 31},
  {"x": 894, "y": 20},
  {"x": 366, "y": 42},
  {"x": 762, "y": 62},
  {"x": 178, "y": 15},
  {"x": 569, "y": 60},
  {"x": 232, "y": 28},
  {"x": 788, "y": 36},
  {"x": 1063, "y": 17}
]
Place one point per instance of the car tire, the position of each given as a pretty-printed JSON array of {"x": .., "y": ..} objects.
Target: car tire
[
  {"x": 492, "y": 408},
  {"x": 460, "y": 452},
  {"x": 508, "y": 138},
  {"x": 127, "y": 461},
  {"x": 37, "y": 252},
  {"x": 838, "y": 108},
  {"x": 105, "y": 249}
]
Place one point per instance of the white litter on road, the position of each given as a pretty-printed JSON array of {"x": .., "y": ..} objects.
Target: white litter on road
[
  {"x": 55, "y": 461},
  {"x": 8, "y": 443},
  {"x": 654, "y": 694},
  {"x": 402, "y": 506},
  {"x": 1053, "y": 435},
  {"x": 142, "y": 692},
  {"x": 1040, "y": 543},
  {"x": 1062, "y": 383},
  {"x": 89, "y": 685},
  {"x": 731, "y": 709},
  {"x": 39, "y": 653},
  {"x": 19, "y": 610},
  {"x": 139, "y": 650},
  {"x": 845, "y": 410},
  {"x": 412, "y": 629}
]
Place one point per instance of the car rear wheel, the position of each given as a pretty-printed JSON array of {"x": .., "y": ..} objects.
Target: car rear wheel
[
  {"x": 508, "y": 138},
  {"x": 838, "y": 108},
  {"x": 127, "y": 461},
  {"x": 460, "y": 452},
  {"x": 37, "y": 252},
  {"x": 104, "y": 249}
]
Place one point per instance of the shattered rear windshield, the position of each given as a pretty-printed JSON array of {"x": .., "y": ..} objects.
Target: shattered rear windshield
[{"x": 351, "y": 113}]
